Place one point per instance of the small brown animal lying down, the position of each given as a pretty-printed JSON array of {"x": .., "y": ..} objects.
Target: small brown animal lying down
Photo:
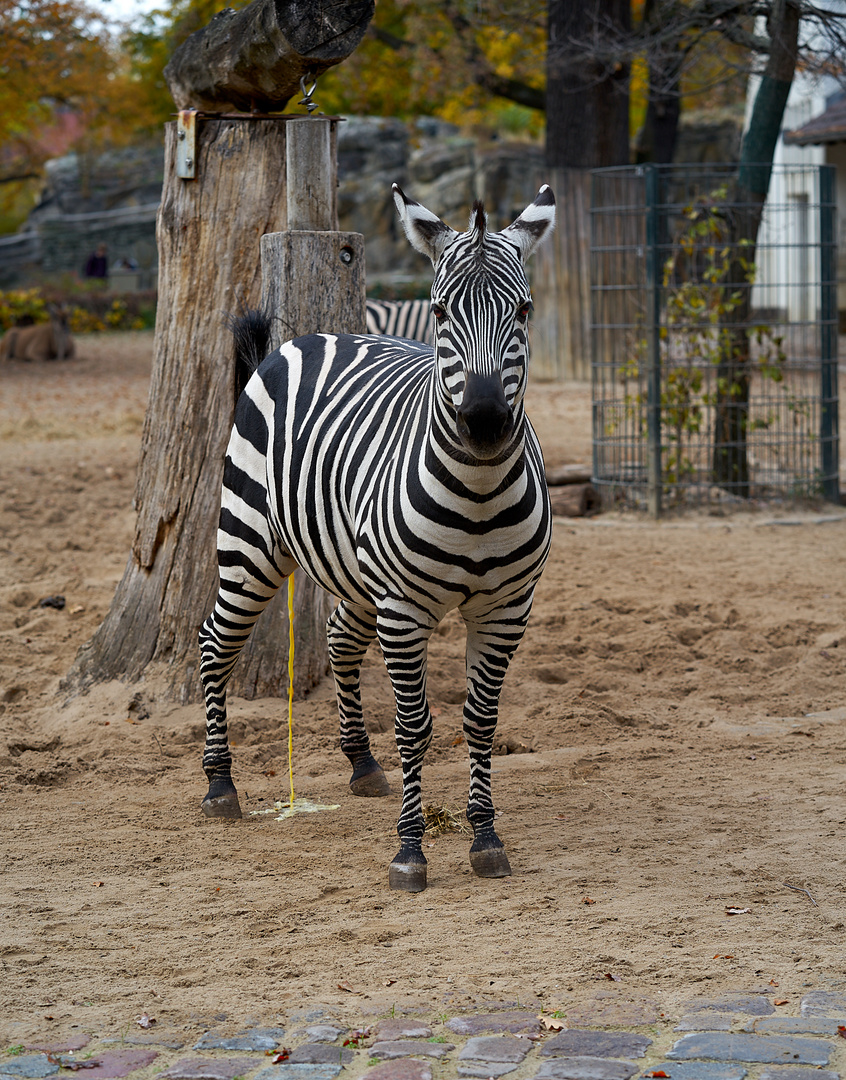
[{"x": 45, "y": 341}]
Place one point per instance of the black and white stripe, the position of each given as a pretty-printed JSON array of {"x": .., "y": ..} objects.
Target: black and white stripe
[
  {"x": 407, "y": 482},
  {"x": 401, "y": 318}
]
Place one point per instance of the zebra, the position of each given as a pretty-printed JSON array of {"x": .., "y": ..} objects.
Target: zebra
[
  {"x": 407, "y": 482},
  {"x": 401, "y": 318}
]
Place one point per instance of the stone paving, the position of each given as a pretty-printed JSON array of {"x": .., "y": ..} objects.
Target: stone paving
[{"x": 732, "y": 1037}]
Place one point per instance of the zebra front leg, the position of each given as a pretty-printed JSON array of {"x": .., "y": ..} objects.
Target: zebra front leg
[
  {"x": 491, "y": 643},
  {"x": 350, "y": 630},
  {"x": 242, "y": 597},
  {"x": 404, "y": 640}
]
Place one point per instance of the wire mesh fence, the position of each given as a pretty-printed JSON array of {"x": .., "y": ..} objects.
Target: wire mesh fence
[{"x": 714, "y": 334}]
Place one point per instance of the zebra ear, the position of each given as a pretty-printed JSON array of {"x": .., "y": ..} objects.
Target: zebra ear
[
  {"x": 425, "y": 230},
  {"x": 535, "y": 223}
]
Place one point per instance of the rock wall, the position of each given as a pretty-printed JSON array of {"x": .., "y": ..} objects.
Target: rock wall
[{"x": 434, "y": 164}]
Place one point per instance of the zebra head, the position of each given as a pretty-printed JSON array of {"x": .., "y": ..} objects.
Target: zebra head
[{"x": 480, "y": 304}]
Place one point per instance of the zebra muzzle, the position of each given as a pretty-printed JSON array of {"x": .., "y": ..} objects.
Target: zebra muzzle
[{"x": 484, "y": 418}]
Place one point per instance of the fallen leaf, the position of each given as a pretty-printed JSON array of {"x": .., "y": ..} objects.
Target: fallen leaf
[
  {"x": 283, "y": 1055},
  {"x": 77, "y": 609},
  {"x": 97, "y": 884},
  {"x": 71, "y": 1063},
  {"x": 614, "y": 978},
  {"x": 841, "y": 1031},
  {"x": 390, "y": 982},
  {"x": 145, "y": 1020},
  {"x": 458, "y": 740},
  {"x": 587, "y": 900},
  {"x": 738, "y": 910},
  {"x": 773, "y": 982},
  {"x": 656, "y": 1072},
  {"x": 347, "y": 987},
  {"x": 551, "y": 1023},
  {"x": 781, "y": 1001},
  {"x": 724, "y": 956}
]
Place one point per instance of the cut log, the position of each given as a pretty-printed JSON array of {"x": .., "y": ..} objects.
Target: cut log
[
  {"x": 575, "y": 500},
  {"x": 253, "y": 59},
  {"x": 558, "y": 475}
]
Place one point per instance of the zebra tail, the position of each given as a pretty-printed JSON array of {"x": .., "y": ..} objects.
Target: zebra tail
[{"x": 251, "y": 336}]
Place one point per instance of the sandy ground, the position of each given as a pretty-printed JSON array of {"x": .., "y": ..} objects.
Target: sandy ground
[{"x": 677, "y": 709}]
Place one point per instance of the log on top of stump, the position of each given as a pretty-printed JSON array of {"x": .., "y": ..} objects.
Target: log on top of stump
[{"x": 253, "y": 59}]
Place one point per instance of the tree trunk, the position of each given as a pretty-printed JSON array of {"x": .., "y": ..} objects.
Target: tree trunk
[
  {"x": 587, "y": 84},
  {"x": 731, "y": 415},
  {"x": 656, "y": 140},
  {"x": 587, "y": 127},
  {"x": 208, "y": 233},
  {"x": 254, "y": 58}
]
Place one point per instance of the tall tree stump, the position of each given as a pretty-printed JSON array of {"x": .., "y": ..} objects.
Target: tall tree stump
[{"x": 208, "y": 234}]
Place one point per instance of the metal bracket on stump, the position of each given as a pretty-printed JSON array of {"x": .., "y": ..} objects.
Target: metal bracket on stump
[{"x": 186, "y": 144}]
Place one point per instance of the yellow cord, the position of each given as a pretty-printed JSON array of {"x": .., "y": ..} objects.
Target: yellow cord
[{"x": 291, "y": 684}]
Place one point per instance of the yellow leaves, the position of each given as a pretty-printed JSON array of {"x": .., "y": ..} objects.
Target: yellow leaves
[{"x": 424, "y": 57}]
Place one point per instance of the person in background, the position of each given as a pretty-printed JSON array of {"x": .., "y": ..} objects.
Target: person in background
[{"x": 97, "y": 265}]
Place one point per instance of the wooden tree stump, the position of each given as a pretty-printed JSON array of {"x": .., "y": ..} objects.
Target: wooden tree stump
[{"x": 208, "y": 233}]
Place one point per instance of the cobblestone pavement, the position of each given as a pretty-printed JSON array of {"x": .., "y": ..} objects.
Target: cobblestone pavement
[{"x": 729, "y": 1037}]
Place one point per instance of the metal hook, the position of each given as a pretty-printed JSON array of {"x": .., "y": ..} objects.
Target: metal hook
[{"x": 307, "y": 94}]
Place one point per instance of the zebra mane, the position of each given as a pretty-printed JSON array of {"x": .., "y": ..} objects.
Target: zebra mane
[{"x": 478, "y": 222}]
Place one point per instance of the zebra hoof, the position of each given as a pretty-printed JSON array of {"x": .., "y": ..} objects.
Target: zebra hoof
[
  {"x": 372, "y": 785},
  {"x": 368, "y": 778},
  {"x": 490, "y": 862},
  {"x": 407, "y": 873},
  {"x": 222, "y": 806}
]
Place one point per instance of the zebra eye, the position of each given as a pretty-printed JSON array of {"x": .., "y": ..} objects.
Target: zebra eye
[
  {"x": 524, "y": 309},
  {"x": 438, "y": 312}
]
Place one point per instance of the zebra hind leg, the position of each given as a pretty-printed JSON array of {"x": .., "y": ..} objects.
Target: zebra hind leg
[
  {"x": 350, "y": 630},
  {"x": 245, "y": 591}
]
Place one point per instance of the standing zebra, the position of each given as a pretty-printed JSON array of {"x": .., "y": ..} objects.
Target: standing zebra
[{"x": 407, "y": 482}]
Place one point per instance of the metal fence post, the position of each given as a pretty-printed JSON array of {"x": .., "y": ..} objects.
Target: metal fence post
[
  {"x": 653, "y": 344},
  {"x": 829, "y": 434}
]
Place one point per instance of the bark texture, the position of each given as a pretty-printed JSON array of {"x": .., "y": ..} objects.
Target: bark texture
[
  {"x": 587, "y": 127},
  {"x": 587, "y": 85},
  {"x": 209, "y": 234},
  {"x": 254, "y": 58}
]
